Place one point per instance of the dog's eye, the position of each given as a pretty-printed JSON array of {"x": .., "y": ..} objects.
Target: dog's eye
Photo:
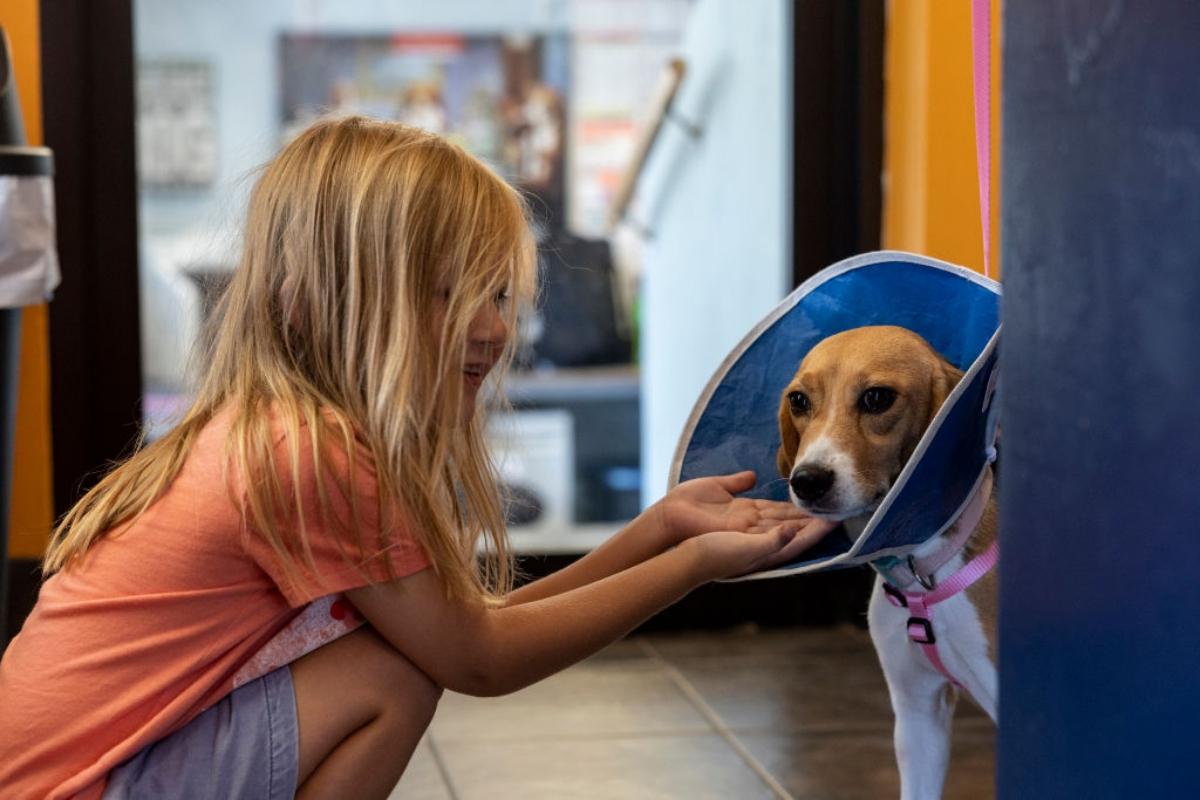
[
  {"x": 799, "y": 403},
  {"x": 877, "y": 399}
]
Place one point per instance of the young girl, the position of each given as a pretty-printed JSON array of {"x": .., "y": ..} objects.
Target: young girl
[{"x": 333, "y": 467}]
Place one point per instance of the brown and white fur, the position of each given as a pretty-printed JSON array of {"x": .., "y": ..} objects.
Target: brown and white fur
[{"x": 849, "y": 419}]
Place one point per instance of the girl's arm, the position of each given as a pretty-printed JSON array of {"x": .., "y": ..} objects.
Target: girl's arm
[
  {"x": 689, "y": 509},
  {"x": 477, "y": 650},
  {"x": 643, "y": 538}
]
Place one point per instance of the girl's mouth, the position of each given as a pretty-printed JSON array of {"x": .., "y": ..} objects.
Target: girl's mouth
[{"x": 474, "y": 374}]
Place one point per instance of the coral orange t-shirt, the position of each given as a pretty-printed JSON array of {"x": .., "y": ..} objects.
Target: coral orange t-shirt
[{"x": 160, "y": 622}]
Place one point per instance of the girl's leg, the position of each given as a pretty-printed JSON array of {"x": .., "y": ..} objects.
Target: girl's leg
[{"x": 361, "y": 707}]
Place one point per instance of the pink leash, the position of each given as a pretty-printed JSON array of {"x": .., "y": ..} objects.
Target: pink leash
[{"x": 981, "y": 44}]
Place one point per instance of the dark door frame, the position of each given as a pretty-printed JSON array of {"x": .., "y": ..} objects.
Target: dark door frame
[
  {"x": 95, "y": 341},
  {"x": 837, "y": 97}
]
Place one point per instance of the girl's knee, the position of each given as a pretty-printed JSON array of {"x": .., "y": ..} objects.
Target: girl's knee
[
  {"x": 359, "y": 689},
  {"x": 369, "y": 674},
  {"x": 396, "y": 683}
]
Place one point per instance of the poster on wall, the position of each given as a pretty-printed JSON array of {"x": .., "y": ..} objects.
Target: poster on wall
[
  {"x": 176, "y": 124},
  {"x": 502, "y": 97}
]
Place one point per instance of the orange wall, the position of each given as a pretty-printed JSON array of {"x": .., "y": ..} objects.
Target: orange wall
[
  {"x": 931, "y": 201},
  {"x": 32, "y": 508}
]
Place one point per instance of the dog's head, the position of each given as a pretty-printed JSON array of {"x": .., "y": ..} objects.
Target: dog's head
[{"x": 852, "y": 415}]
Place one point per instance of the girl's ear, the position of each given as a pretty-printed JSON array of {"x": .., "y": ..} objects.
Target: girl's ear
[
  {"x": 945, "y": 377},
  {"x": 789, "y": 439}
]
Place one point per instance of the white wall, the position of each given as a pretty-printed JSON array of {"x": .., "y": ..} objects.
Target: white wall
[{"x": 719, "y": 209}]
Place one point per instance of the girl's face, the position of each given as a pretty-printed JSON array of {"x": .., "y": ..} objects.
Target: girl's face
[{"x": 486, "y": 336}]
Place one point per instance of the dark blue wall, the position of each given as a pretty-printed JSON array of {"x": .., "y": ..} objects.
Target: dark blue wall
[{"x": 1100, "y": 472}]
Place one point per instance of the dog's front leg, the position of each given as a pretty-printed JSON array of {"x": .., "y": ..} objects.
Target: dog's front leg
[{"x": 922, "y": 699}]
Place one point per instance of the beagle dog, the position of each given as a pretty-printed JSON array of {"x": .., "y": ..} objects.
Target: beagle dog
[{"x": 849, "y": 420}]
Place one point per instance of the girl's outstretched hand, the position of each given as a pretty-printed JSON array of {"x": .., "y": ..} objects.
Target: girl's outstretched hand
[
  {"x": 727, "y": 554},
  {"x": 709, "y": 504}
]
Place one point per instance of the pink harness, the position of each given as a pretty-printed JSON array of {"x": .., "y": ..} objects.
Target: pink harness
[{"x": 920, "y": 604}]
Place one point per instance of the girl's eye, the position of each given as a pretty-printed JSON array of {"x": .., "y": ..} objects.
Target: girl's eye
[
  {"x": 877, "y": 400},
  {"x": 799, "y": 403},
  {"x": 503, "y": 297}
]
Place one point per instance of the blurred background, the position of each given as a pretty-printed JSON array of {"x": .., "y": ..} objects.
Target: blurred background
[{"x": 689, "y": 162}]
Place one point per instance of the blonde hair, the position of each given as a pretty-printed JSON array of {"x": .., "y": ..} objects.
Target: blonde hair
[{"x": 354, "y": 231}]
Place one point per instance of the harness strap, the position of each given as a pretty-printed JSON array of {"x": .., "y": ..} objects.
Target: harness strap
[
  {"x": 922, "y": 569},
  {"x": 920, "y": 604}
]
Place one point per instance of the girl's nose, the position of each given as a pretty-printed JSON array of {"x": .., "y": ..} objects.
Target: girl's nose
[{"x": 488, "y": 326}]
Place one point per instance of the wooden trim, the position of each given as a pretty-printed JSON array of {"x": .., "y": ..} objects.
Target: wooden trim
[
  {"x": 95, "y": 345},
  {"x": 870, "y": 30},
  {"x": 837, "y": 98}
]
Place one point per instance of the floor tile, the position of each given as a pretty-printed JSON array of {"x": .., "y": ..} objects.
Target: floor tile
[
  {"x": 601, "y": 697},
  {"x": 786, "y": 679},
  {"x": 629, "y": 652},
  {"x": 806, "y": 691},
  {"x": 629, "y": 768},
  {"x": 755, "y": 642},
  {"x": 861, "y": 766},
  {"x": 809, "y": 703},
  {"x": 422, "y": 779}
]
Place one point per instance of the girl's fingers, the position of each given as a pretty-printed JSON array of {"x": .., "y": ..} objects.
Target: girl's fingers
[
  {"x": 737, "y": 481},
  {"x": 770, "y": 545},
  {"x": 765, "y": 524},
  {"x": 804, "y": 537},
  {"x": 767, "y": 545},
  {"x": 777, "y": 510},
  {"x": 780, "y": 544}
]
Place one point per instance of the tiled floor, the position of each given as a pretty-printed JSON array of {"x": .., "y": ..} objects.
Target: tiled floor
[{"x": 799, "y": 713}]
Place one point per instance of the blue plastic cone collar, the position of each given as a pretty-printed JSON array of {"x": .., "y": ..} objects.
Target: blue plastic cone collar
[{"x": 734, "y": 425}]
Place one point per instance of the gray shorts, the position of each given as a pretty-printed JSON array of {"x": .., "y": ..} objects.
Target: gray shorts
[{"x": 246, "y": 746}]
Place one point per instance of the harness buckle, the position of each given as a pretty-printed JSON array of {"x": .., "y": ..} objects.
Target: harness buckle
[
  {"x": 894, "y": 595},
  {"x": 923, "y": 627},
  {"x": 927, "y": 581}
]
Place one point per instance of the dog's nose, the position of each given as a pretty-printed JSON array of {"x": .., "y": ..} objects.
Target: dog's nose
[{"x": 811, "y": 482}]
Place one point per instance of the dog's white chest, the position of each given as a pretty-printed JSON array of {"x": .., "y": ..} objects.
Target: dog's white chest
[{"x": 961, "y": 644}]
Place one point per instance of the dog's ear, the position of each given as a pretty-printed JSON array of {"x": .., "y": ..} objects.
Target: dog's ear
[
  {"x": 945, "y": 377},
  {"x": 789, "y": 439}
]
